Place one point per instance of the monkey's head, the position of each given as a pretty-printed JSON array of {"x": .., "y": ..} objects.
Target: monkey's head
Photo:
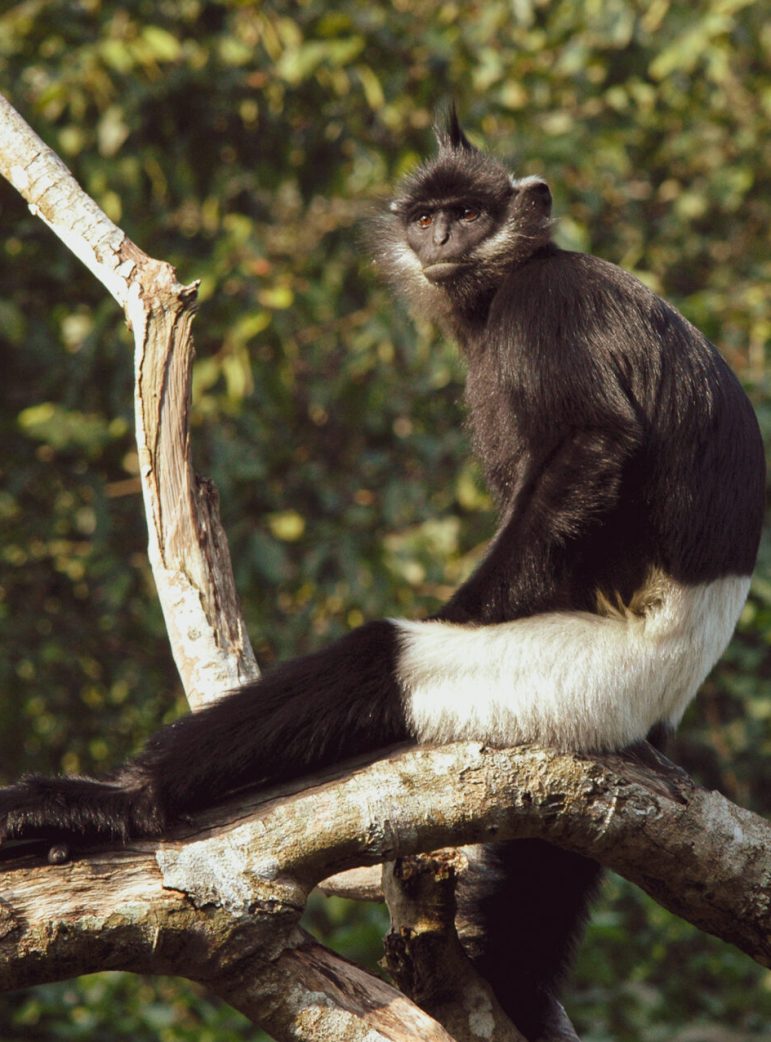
[{"x": 459, "y": 224}]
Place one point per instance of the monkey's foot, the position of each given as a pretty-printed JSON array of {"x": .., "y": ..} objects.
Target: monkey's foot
[{"x": 65, "y": 809}]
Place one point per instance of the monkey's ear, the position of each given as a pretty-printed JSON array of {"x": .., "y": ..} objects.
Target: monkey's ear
[
  {"x": 449, "y": 133},
  {"x": 535, "y": 191}
]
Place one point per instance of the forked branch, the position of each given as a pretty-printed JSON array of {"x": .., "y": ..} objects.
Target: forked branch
[{"x": 187, "y": 547}]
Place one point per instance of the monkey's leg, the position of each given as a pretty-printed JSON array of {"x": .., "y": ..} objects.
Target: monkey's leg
[{"x": 304, "y": 714}]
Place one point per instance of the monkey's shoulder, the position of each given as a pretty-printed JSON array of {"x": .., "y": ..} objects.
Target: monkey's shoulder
[
  {"x": 569, "y": 306},
  {"x": 574, "y": 336},
  {"x": 579, "y": 287}
]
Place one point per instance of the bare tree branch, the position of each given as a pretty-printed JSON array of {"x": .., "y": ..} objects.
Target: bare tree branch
[
  {"x": 356, "y": 884},
  {"x": 310, "y": 993},
  {"x": 191, "y": 564},
  {"x": 187, "y": 546},
  {"x": 420, "y": 893},
  {"x": 256, "y": 859}
]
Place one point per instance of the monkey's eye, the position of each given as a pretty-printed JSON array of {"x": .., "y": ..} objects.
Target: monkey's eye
[
  {"x": 469, "y": 214},
  {"x": 424, "y": 220}
]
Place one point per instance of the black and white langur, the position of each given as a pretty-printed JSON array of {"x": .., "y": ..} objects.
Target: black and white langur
[{"x": 629, "y": 474}]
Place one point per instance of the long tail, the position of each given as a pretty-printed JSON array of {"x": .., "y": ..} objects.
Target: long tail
[{"x": 521, "y": 911}]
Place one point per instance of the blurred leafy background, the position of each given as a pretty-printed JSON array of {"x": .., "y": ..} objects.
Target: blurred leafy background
[{"x": 247, "y": 143}]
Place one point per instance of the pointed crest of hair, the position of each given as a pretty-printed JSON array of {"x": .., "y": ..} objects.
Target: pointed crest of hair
[
  {"x": 458, "y": 170},
  {"x": 449, "y": 133}
]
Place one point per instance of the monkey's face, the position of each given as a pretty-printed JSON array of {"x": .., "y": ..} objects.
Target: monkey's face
[
  {"x": 473, "y": 237},
  {"x": 444, "y": 239},
  {"x": 458, "y": 225}
]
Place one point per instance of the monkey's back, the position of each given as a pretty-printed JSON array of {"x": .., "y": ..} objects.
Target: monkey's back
[{"x": 573, "y": 342}]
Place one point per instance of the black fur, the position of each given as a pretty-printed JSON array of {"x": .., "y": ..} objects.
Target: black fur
[
  {"x": 523, "y": 902},
  {"x": 606, "y": 380},
  {"x": 305, "y": 714},
  {"x": 618, "y": 445}
]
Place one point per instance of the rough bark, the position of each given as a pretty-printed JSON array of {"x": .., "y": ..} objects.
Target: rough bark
[
  {"x": 420, "y": 893},
  {"x": 255, "y": 860}
]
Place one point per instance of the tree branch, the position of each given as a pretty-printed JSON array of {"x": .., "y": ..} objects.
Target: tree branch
[
  {"x": 187, "y": 547},
  {"x": 310, "y": 993},
  {"x": 256, "y": 859},
  {"x": 420, "y": 893}
]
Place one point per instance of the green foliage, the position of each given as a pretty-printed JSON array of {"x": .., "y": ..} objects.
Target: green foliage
[
  {"x": 683, "y": 977},
  {"x": 124, "y": 1008},
  {"x": 247, "y": 143}
]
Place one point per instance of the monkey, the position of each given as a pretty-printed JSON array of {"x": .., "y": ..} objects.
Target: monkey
[{"x": 628, "y": 473}]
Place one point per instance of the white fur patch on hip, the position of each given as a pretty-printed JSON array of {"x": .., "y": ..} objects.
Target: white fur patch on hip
[{"x": 572, "y": 680}]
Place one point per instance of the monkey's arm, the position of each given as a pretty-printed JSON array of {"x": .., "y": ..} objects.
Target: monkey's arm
[
  {"x": 541, "y": 559},
  {"x": 302, "y": 715}
]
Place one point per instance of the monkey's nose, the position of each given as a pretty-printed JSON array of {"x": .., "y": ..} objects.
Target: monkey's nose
[{"x": 441, "y": 230}]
